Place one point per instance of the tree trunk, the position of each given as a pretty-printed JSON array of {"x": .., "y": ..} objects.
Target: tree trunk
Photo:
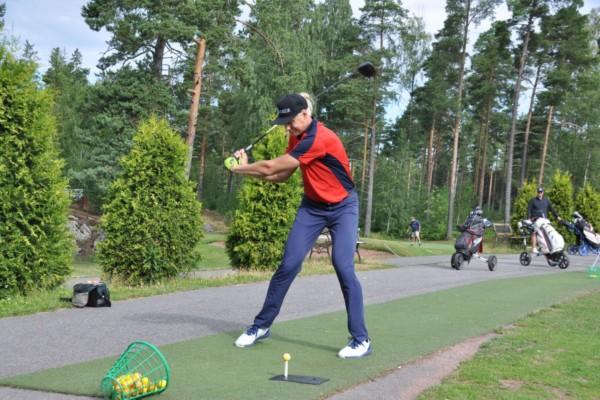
[
  {"x": 528, "y": 127},
  {"x": 490, "y": 189},
  {"x": 363, "y": 175},
  {"x": 513, "y": 128},
  {"x": 193, "y": 117},
  {"x": 457, "y": 123},
  {"x": 430, "y": 156},
  {"x": 202, "y": 165},
  {"x": 587, "y": 165},
  {"x": 479, "y": 156},
  {"x": 545, "y": 149},
  {"x": 369, "y": 209},
  {"x": 157, "y": 57}
]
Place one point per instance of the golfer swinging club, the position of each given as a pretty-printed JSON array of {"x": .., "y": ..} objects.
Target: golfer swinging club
[{"x": 329, "y": 201}]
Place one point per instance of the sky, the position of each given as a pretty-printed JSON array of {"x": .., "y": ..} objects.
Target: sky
[{"x": 58, "y": 23}]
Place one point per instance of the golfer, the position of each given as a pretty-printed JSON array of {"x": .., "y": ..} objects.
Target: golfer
[
  {"x": 414, "y": 227},
  {"x": 329, "y": 201},
  {"x": 539, "y": 207}
]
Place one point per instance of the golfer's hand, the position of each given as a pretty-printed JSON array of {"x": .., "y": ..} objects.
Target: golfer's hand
[{"x": 242, "y": 156}]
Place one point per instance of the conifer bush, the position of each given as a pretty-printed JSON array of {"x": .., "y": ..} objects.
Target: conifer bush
[
  {"x": 36, "y": 247},
  {"x": 152, "y": 220},
  {"x": 519, "y": 209},
  {"x": 587, "y": 202},
  {"x": 265, "y": 213},
  {"x": 561, "y": 196}
]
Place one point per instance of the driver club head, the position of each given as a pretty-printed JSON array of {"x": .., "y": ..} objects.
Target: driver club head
[{"x": 367, "y": 70}]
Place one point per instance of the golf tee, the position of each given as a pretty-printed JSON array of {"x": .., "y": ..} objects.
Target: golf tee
[{"x": 285, "y": 370}]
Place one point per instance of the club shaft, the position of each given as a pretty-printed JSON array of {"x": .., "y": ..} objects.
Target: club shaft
[{"x": 249, "y": 147}]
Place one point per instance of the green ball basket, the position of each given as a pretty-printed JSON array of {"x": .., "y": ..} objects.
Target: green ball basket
[
  {"x": 594, "y": 272},
  {"x": 140, "y": 371}
]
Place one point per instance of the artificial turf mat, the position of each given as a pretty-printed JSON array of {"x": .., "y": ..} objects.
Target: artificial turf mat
[{"x": 401, "y": 330}]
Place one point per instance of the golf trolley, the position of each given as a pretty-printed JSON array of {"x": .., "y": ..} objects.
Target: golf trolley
[
  {"x": 550, "y": 243},
  {"x": 587, "y": 240},
  {"x": 470, "y": 242}
]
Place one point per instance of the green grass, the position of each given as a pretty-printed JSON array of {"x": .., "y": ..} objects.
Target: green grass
[
  {"x": 404, "y": 249},
  {"x": 554, "y": 354},
  {"x": 402, "y": 330},
  {"x": 214, "y": 255}
]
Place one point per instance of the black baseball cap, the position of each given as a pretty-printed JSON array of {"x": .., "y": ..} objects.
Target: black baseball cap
[
  {"x": 540, "y": 190},
  {"x": 288, "y": 107}
]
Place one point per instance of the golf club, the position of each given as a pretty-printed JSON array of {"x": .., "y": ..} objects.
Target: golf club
[{"x": 365, "y": 69}]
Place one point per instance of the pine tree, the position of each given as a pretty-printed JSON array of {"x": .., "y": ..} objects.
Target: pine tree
[
  {"x": 35, "y": 245},
  {"x": 68, "y": 82},
  {"x": 152, "y": 221}
]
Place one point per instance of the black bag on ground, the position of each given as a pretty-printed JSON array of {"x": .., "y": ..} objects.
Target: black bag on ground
[{"x": 91, "y": 295}]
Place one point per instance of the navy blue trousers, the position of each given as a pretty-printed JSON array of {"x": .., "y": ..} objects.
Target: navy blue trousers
[{"x": 312, "y": 217}]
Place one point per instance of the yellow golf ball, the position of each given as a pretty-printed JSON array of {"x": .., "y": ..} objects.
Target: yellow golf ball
[{"x": 286, "y": 357}]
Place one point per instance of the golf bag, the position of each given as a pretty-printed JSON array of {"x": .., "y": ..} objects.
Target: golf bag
[
  {"x": 548, "y": 238},
  {"x": 587, "y": 239},
  {"x": 91, "y": 295},
  {"x": 549, "y": 241},
  {"x": 470, "y": 240}
]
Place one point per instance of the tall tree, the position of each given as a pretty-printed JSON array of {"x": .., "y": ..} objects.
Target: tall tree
[
  {"x": 461, "y": 16},
  {"x": 113, "y": 109},
  {"x": 525, "y": 14},
  {"x": 382, "y": 24},
  {"x": 486, "y": 88},
  {"x": 68, "y": 81},
  {"x": 568, "y": 42},
  {"x": 145, "y": 30},
  {"x": 2, "y": 12}
]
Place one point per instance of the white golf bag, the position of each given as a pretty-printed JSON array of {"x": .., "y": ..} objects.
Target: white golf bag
[
  {"x": 548, "y": 238},
  {"x": 591, "y": 236}
]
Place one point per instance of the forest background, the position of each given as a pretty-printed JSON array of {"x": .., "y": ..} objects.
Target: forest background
[{"x": 482, "y": 113}]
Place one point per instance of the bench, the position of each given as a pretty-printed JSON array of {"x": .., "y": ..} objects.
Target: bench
[
  {"x": 323, "y": 245},
  {"x": 505, "y": 232}
]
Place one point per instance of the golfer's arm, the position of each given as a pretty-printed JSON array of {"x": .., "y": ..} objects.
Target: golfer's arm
[
  {"x": 281, "y": 177},
  {"x": 276, "y": 170}
]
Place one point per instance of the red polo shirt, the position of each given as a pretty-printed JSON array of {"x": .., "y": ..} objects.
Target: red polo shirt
[{"x": 324, "y": 163}]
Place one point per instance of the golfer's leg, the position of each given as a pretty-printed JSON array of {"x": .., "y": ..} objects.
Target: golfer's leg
[
  {"x": 307, "y": 227},
  {"x": 344, "y": 231}
]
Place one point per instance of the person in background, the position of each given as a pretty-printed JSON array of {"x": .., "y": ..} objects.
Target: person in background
[
  {"x": 539, "y": 207},
  {"x": 414, "y": 227}
]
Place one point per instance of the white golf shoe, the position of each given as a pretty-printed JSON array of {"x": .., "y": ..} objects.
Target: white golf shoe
[
  {"x": 251, "y": 335},
  {"x": 356, "y": 349}
]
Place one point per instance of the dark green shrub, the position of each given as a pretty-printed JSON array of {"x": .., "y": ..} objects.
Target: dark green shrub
[
  {"x": 265, "y": 215},
  {"x": 152, "y": 219},
  {"x": 587, "y": 202},
  {"x": 561, "y": 195},
  {"x": 436, "y": 218},
  {"x": 519, "y": 209},
  {"x": 36, "y": 247}
]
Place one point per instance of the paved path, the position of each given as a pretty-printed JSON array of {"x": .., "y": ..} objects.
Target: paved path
[{"x": 68, "y": 336}]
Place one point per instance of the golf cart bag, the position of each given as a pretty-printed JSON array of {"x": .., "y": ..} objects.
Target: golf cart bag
[
  {"x": 588, "y": 241},
  {"x": 550, "y": 242},
  {"x": 470, "y": 241},
  {"x": 587, "y": 238}
]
